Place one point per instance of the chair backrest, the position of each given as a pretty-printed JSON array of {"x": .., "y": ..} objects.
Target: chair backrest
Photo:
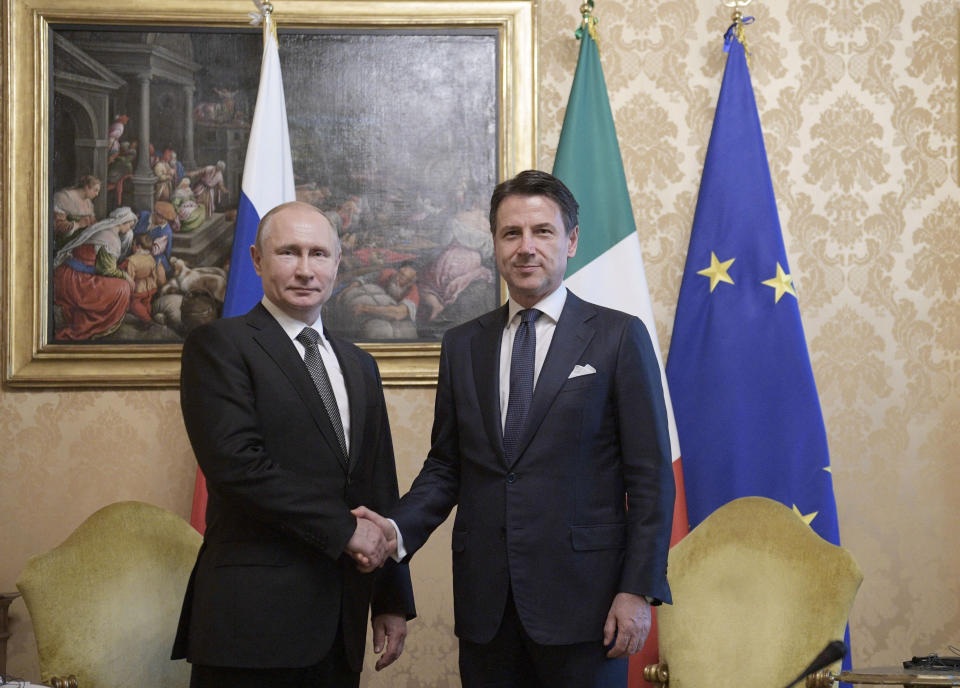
[
  {"x": 105, "y": 602},
  {"x": 756, "y": 595}
]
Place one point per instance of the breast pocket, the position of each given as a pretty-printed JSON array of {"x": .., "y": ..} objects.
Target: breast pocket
[{"x": 579, "y": 383}]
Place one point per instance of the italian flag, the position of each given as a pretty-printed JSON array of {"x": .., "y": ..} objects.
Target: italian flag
[{"x": 608, "y": 267}]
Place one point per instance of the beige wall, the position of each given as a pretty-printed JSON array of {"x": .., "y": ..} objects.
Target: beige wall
[{"x": 858, "y": 101}]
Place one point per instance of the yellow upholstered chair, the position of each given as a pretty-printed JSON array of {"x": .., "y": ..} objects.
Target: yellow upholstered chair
[
  {"x": 757, "y": 594},
  {"x": 105, "y": 602}
]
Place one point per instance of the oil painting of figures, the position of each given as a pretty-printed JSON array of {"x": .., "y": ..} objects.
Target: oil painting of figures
[{"x": 394, "y": 135}]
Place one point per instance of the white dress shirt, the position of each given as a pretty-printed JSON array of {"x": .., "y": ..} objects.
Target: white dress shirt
[
  {"x": 293, "y": 327},
  {"x": 550, "y": 307}
]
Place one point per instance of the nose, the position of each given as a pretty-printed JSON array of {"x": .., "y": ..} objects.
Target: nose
[
  {"x": 527, "y": 245},
  {"x": 303, "y": 266}
]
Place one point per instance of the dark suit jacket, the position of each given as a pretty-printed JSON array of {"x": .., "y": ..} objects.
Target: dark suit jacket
[
  {"x": 271, "y": 583},
  {"x": 553, "y": 524}
]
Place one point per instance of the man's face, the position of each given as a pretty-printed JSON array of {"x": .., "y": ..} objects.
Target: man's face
[
  {"x": 400, "y": 282},
  {"x": 298, "y": 263},
  {"x": 406, "y": 276},
  {"x": 532, "y": 246}
]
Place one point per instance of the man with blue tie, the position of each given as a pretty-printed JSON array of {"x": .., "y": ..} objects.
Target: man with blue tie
[
  {"x": 550, "y": 436},
  {"x": 289, "y": 426}
]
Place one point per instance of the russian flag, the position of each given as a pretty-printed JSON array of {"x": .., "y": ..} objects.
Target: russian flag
[{"x": 267, "y": 182}]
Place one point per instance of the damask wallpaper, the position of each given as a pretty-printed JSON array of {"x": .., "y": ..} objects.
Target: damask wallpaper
[{"x": 858, "y": 102}]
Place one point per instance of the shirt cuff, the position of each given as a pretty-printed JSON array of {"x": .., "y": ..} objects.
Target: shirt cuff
[{"x": 401, "y": 551}]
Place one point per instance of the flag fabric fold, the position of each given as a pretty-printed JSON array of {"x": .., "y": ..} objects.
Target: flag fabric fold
[
  {"x": 267, "y": 182},
  {"x": 608, "y": 268},
  {"x": 743, "y": 390}
]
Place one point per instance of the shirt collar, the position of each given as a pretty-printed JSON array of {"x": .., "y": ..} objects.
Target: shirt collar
[
  {"x": 550, "y": 305},
  {"x": 291, "y": 325}
]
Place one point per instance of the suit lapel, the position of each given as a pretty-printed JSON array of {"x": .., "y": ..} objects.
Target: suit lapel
[
  {"x": 353, "y": 380},
  {"x": 485, "y": 354},
  {"x": 277, "y": 345},
  {"x": 570, "y": 339}
]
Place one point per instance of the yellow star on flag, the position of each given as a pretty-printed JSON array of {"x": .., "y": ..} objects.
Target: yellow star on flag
[
  {"x": 782, "y": 284},
  {"x": 717, "y": 272},
  {"x": 806, "y": 518}
]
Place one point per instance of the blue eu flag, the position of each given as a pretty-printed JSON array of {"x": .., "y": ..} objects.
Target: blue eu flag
[
  {"x": 744, "y": 398},
  {"x": 746, "y": 404}
]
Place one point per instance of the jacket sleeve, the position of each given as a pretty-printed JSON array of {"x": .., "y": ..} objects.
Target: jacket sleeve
[
  {"x": 435, "y": 490},
  {"x": 392, "y": 591},
  {"x": 647, "y": 464}
]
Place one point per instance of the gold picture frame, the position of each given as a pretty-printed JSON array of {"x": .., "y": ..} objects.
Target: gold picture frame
[{"x": 30, "y": 359}]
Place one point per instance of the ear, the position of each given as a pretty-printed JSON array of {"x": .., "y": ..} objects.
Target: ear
[
  {"x": 256, "y": 257},
  {"x": 572, "y": 241}
]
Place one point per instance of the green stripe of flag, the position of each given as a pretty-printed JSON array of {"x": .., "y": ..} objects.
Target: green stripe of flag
[{"x": 588, "y": 161}]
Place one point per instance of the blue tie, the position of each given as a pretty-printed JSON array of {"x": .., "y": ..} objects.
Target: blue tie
[{"x": 521, "y": 381}]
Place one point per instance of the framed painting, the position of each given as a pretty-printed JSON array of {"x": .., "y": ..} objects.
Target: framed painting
[{"x": 127, "y": 123}]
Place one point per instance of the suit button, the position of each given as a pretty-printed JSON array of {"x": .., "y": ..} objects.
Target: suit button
[{"x": 511, "y": 478}]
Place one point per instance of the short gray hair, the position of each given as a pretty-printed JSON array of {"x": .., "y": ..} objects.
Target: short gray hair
[{"x": 264, "y": 227}]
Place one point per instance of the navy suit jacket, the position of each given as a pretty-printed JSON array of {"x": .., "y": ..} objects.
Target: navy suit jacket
[
  {"x": 553, "y": 525},
  {"x": 271, "y": 584}
]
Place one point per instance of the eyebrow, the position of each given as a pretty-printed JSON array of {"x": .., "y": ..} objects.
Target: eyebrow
[
  {"x": 298, "y": 247},
  {"x": 539, "y": 225}
]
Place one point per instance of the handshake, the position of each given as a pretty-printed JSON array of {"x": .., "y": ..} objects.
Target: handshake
[{"x": 373, "y": 541}]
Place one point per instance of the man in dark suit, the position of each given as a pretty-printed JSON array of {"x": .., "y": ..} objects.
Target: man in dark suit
[
  {"x": 290, "y": 428},
  {"x": 550, "y": 436}
]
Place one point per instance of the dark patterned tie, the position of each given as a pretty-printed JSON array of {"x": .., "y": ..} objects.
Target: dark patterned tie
[
  {"x": 521, "y": 380},
  {"x": 309, "y": 338}
]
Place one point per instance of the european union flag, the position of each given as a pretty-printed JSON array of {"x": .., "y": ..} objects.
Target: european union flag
[{"x": 745, "y": 401}]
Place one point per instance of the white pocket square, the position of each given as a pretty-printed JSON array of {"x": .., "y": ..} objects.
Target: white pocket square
[{"x": 579, "y": 370}]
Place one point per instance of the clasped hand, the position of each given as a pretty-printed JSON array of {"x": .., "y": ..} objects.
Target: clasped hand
[{"x": 373, "y": 541}]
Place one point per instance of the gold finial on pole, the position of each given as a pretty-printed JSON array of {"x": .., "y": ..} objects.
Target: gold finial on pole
[
  {"x": 263, "y": 16},
  {"x": 589, "y": 22},
  {"x": 736, "y": 5},
  {"x": 738, "y": 23}
]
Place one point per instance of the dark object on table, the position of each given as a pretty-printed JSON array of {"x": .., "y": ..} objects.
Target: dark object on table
[{"x": 933, "y": 663}]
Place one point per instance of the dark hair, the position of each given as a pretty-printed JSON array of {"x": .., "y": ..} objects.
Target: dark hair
[{"x": 536, "y": 183}]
